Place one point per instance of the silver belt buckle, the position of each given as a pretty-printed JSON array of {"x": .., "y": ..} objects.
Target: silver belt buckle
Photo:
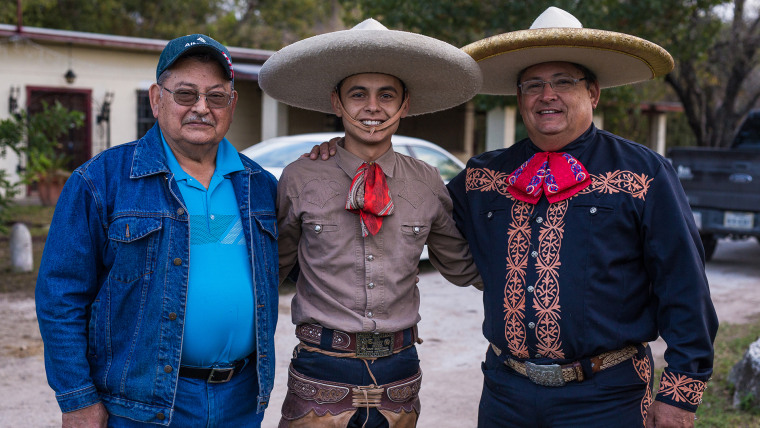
[
  {"x": 374, "y": 345},
  {"x": 545, "y": 375},
  {"x": 226, "y": 372}
]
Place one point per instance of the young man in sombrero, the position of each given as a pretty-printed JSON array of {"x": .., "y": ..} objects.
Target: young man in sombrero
[
  {"x": 357, "y": 223},
  {"x": 586, "y": 243}
]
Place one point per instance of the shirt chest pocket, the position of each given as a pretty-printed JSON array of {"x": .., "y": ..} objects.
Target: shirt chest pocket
[
  {"x": 134, "y": 241},
  {"x": 415, "y": 231}
]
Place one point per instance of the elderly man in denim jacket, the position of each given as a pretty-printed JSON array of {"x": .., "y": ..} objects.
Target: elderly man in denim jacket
[{"x": 157, "y": 292}]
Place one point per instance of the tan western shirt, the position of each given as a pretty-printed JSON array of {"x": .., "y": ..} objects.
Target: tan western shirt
[{"x": 351, "y": 283}]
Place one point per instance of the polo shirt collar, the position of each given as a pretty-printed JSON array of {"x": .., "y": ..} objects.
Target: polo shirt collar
[{"x": 227, "y": 160}]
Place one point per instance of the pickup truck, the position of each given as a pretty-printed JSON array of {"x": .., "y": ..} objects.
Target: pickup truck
[{"x": 723, "y": 185}]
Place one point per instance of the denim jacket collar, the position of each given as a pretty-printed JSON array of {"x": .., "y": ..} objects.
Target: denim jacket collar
[{"x": 149, "y": 158}]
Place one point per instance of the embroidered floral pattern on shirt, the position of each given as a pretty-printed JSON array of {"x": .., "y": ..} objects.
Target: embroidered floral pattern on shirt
[
  {"x": 681, "y": 389},
  {"x": 546, "y": 301},
  {"x": 487, "y": 180},
  {"x": 620, "y": 181},
  {"x": 514, "y": 290},
  {"x": 643, "y": 366},
  {"x": 546, "y": 290}
]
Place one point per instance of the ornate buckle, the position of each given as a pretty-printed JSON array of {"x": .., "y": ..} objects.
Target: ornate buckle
[
  {"x": 545, "y": 375},
  {"x": 225, "y": 375},
  {"x": 374, "y": 345}
]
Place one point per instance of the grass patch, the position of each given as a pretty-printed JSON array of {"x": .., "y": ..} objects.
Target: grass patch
[
  {"x": 716, "y": 409},
  {"x": 37, "y": 219}
]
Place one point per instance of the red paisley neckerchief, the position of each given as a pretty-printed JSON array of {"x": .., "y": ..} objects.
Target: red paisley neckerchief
[
  {"x": 557, "y": 175},
  {"x": 370, "y": 197}
]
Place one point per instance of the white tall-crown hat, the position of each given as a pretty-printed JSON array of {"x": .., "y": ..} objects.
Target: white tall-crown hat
[{"x": 556, "y": 35}]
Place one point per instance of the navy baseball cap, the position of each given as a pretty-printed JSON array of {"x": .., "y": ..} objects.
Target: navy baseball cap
[{"x": 181, "y": 46}]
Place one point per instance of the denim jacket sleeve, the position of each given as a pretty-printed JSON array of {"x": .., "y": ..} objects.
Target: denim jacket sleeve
[{"x": 66, "y": 288}]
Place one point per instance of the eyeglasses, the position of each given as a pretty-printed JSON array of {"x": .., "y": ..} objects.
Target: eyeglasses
[
  {"x": 559, "y": 84},
  {"x": 188, "y": 97}
]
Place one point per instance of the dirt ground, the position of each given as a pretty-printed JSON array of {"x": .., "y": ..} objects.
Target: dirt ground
[{"x": 451, "y": 353}]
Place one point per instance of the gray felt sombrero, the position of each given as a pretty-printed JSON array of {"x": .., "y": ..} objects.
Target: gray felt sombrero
[
  {"x": 438, "y": 75},
  {"x": 616, "y": 58}
]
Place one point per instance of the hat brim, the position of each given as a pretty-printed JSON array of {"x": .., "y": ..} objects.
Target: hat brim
[
  {"x": 437, "y": 75},
  {"x": 616, "y": 58}
]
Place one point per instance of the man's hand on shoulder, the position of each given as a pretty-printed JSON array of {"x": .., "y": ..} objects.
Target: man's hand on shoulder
[
  {"x": 325, "y": 150},
  {"x": 661, "y": 415},
  {"x": 95, "y": 416}
]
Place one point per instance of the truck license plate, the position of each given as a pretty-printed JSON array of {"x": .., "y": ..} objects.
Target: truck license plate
[{"x": 738, "y": 220}]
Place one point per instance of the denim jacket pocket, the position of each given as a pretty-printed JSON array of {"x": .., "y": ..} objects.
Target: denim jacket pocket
[
  {"x": 267, "y": 225},
  {"x": 134, "y": 242}
]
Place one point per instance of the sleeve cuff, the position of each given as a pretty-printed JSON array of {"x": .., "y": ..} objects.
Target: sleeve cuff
[
  {"x": 68, "y": 402},
  {"x": 681, "y": 390}
]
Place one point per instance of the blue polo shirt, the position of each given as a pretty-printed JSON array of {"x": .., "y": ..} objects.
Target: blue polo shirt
[{"x": 219, "y": 318}]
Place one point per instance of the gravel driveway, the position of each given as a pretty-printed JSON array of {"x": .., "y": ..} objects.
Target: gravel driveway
[{"x": 451, "y": 353}]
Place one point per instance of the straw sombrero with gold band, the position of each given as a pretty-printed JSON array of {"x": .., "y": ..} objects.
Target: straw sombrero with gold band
[
  {"x": 616, "y": 58},
  {"x": 437, "y": 75}
]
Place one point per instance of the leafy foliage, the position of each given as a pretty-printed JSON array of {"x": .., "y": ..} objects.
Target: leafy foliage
[
  {"x": 716, "y": 54},
  {"x": 44, "y": 130}
]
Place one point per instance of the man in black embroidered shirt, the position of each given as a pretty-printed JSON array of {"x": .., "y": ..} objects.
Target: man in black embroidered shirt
[{"x": 585, "y": 242}]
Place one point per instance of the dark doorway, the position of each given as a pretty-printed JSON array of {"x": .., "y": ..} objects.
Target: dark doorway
[{"x": 77, "y": 147}]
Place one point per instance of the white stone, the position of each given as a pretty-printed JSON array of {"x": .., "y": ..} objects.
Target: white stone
[
  {"x": 745, "y": 375},
  {"x": 21, "y": 248}
]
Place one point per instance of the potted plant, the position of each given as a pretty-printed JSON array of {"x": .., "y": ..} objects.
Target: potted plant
[{"x": 47, "y": 165}]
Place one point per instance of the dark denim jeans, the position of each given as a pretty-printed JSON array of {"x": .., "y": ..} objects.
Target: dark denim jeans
[
  {"x": 354, "y": 371},
  {"x": 202, "y": 404}
]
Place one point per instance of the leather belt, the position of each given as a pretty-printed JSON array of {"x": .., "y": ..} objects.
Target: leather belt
[
  {"x": 559, "y": 375},
  {"x": 364, "y": 345},
  {"x": 215, "y": 374}
]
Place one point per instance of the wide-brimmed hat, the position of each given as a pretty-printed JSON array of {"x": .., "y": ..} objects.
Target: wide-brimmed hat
[
  {"x": 438, "y": 75},
  {"x": 616, "y": 58}
]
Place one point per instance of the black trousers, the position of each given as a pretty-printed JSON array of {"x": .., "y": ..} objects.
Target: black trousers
[{"x": 617, "y": 397}]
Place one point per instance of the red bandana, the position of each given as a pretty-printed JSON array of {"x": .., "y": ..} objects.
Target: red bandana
[
  {"x": 558, "y": 175},
  {"x": 369, "y": 197}
]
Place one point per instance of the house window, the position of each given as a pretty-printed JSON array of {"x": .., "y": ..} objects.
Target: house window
[{"x": 145, "y": 119}]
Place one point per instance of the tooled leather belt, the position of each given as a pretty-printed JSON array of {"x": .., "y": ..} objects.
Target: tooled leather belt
[
  {"x": 559, "y": 375},
  {"x": 364, "y": 344}
]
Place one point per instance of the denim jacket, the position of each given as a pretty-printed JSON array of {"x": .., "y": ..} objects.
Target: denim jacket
[{"x": 112, "y": 286}]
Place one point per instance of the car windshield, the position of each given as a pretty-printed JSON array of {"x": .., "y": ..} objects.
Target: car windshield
[
  {"x": 279, "y": 157},
  {"x": 448, "y": 168},
  {"x": 749, "y": 134}
]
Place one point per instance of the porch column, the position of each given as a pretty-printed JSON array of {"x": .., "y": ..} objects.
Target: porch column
[
  {"x": 657, "y": 132},
  {"x": 274, "y": 117},
  {"x": 500, "y": 127}
]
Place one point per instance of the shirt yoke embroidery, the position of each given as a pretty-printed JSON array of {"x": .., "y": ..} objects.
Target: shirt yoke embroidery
[{"x": 546, "y": 290}]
